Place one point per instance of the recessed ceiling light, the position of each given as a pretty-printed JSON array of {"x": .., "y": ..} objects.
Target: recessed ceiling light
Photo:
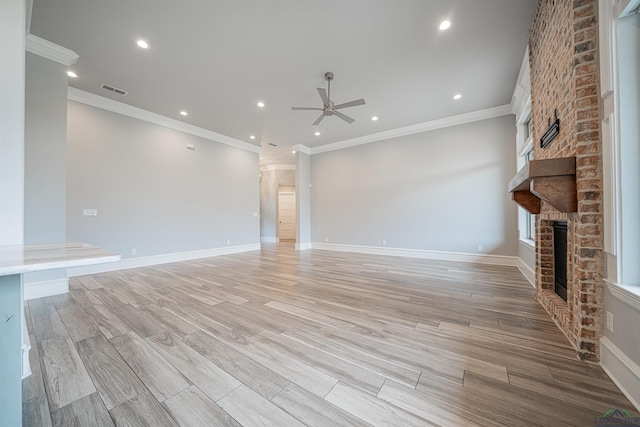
[
  {"x": 457, "y": 96},
  {"x": 183, "y": 113},
  {"x": 260, "y": 104},
  {"x": 374, "y": 118},
  {"x": 317, "y": 134},
  {"x": 252, "y": 137},
  {"x": 444, "y": 25},
  {"x": 71, "y": 74},
  {"x": 293, "y": 152},
  {"x": 143, "y": 44}
]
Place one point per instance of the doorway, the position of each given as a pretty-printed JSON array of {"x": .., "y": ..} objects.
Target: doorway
[{"x": 286, "y": 216}]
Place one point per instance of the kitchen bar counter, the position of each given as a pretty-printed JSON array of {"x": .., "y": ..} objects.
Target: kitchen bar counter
[{"x": 14, "y": 261}]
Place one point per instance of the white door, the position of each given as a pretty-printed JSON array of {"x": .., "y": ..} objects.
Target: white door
[{"x": 287, "y": 216}]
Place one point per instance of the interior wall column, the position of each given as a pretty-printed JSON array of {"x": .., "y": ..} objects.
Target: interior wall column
[
  {"x": 12, "y": 78},
  {"x": 303, "y": 197}
]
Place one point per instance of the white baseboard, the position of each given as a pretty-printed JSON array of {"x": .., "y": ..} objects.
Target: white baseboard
[
  {"x": 421, "y": 253},
  {"x": 45, "y": 288},
  {"x": 303, "y": 246},
  {"x": 26, "y": 347},
  {"x": 527, "y": 272},
  {"x": 159, "y": 259},
  {"x": 623, "y": 371},
  {"x": 265, "y": 239}
]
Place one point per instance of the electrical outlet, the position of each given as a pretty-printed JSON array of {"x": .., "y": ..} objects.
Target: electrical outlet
[
  {"x": 610, "y": 321},
  {"x": 326, "y": 239},
  {"x": 479, "y": 248},
  {"x": 134, "y": 252},
  {"x": 384, "y": 242},
  {"x": 90, "y": 212},
  {"x": 228, "y": 242}
]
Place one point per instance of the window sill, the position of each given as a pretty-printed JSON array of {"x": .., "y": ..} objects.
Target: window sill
[
  {"x": 628, "y": 294},
  {"x": 528, "y": 242}
]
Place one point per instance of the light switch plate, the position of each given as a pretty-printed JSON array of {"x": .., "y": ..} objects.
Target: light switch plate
[{"x": 90, "y": 212}]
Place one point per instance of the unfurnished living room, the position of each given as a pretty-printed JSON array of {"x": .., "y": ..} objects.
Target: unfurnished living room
[{"x": 319, "y": 213}]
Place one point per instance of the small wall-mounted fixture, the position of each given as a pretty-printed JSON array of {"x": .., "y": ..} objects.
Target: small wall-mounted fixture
[
  {"x": 552, "y": 131},
  {"x": 191, "y": 146}
]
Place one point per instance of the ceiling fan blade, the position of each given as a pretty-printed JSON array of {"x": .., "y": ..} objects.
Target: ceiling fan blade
[
  {"x": 350, "y": 104},
  {"x": 317, "y": 122},
  {"x": 306, "y": 108},
  {"x": 344, "y": 117},
  {"x": 323, "y": 95}
]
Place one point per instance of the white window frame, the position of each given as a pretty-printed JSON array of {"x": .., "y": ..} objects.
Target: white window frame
[
  {"x": 524, "y": 139},
  {"x": 620, "y": 153}
]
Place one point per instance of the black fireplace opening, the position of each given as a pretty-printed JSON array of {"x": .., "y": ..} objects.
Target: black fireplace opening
[{"x": 560, "y": 258}]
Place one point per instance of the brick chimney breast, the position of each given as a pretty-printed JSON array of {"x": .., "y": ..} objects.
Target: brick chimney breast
[{"x": 565, "y": 74}]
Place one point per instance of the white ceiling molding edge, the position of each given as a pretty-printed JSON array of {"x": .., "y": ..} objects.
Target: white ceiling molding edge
[
  {"x": 522, "y": 91},
  {"x": 52, "y": 51},
  {"x": 460, "y": 119},
  {"x": 278, "y": 168},
  {"x": 138, "y": 113},
  {"x": 303, "y": 149}
]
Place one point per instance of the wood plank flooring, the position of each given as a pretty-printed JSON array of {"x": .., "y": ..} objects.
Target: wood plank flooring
[{"x": 317, "y": 338}]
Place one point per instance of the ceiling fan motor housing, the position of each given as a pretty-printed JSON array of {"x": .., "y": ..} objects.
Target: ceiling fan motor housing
[{"x": 328, "y": 107}]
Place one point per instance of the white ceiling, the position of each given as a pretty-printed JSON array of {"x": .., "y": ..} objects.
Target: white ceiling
[{"x": 217, "y": 58}]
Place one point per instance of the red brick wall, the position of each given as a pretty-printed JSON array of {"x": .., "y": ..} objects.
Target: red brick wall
[{"x": 563, "y": 45}]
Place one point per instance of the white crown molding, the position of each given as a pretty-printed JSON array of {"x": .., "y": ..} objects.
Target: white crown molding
[
  {"x": 303, "y": 149},
  {"x": 278, "y": 168},
  {"x": 628, "y": 294},
  {"x": 138, "y": 113},
  {"x": 522, "y": 90},
  {"x": 160, "y": 259},
  {"x": 420, "y": 253},
  {"x": 623, "y": 371},
  {"x": 52, "y": 51},
  {"x": 460, "y": 119}
]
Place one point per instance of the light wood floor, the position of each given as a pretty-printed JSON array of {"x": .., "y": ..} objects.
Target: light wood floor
[{"x": 317, "y": 338}]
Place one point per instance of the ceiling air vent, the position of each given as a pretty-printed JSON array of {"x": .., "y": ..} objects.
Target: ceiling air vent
[
  {"x": 272, "y": 144},
  {"x": 113, "y": 89}
]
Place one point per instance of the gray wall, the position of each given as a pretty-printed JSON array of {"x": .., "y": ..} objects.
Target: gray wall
[
  {"x": 12, "y": 105},
  {"x": 444, "y": 190},
  {"x": 151, "y": 192},
  {"x": 625, "y": 326},
  {"x": 45, "y": 156},
  {"x": 270, "y": 182}
]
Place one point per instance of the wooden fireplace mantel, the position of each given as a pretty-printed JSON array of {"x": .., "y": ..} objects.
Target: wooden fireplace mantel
[{"x": 551, "y": 180}]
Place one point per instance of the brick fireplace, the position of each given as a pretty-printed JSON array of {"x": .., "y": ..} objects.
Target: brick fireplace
[{"x": 564, "y": 69}]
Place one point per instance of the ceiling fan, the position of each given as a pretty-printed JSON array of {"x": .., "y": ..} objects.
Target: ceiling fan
[{"x": 328, "y": 107}]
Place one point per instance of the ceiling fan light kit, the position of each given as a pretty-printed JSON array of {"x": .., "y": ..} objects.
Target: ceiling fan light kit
[{"x": 328, "y": 106}]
